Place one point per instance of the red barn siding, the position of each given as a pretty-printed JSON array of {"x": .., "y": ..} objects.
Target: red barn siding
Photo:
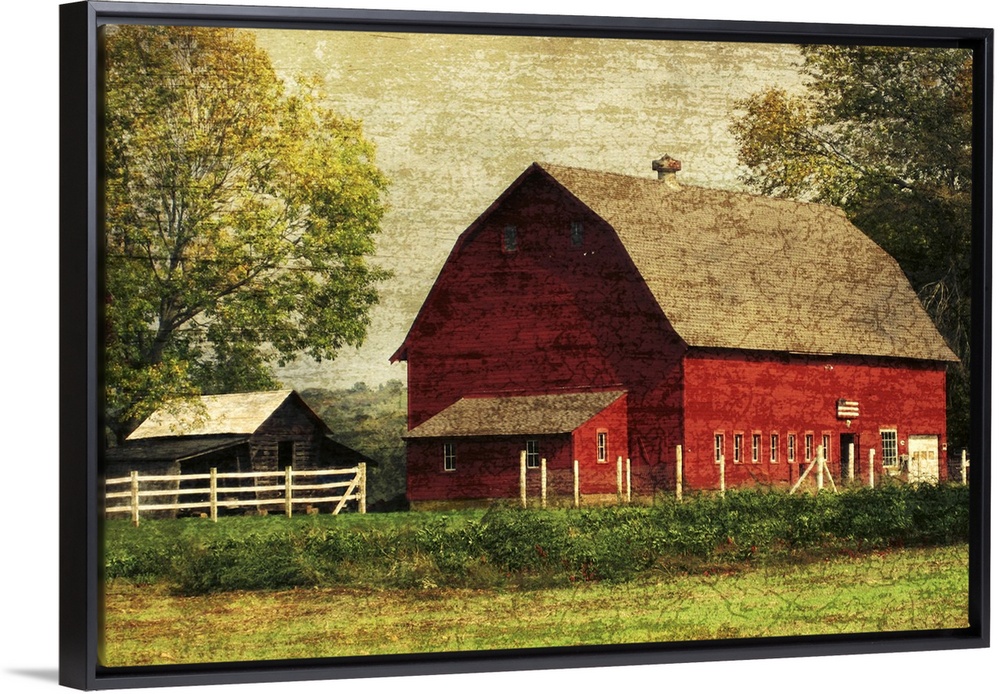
[
  {"x": 601, "y": 477},
  {"x": 485, "y": 468},
  {"x": 731, "y": 391},
  {"x": 548, "y": 318}
]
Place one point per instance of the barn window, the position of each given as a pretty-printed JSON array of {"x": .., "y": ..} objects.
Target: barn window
[
  {"x": 826, "y": 447},
  {"x": 809, "y": 447},
  {"x": 791, "y": 448},
  {"x": 286, "y": 454},
  {"x": 602, "y": 446},
  {"x": 720, "y": 442},
  {"x": 890, "y": 448},
  {"x": 531, "y": 452},
  {"x": 576, "y": 234},
  {"x": 737, "y": 448},
  {"x": 755, "y": 450},
  {"x": 449, "y": 457},
  {"x": 510, "y": 238},
  {"x": 774, "y": 448}
]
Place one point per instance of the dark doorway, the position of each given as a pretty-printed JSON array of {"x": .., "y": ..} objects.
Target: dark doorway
[{"x": 845, "y": 457}]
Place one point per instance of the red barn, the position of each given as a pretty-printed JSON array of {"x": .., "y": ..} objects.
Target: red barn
[{"x": 588, "y": 315}]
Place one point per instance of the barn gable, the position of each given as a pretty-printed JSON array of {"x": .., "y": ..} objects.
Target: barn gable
[{"x": 740, "y": 271}]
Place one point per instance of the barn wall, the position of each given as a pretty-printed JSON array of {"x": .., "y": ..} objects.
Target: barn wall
[
  {"x": 602, "y": 477},
  {"x": 733, "y": 391},
  {"x": 548, "y": 318},
  {"x": 485, "y": 468},
  {"x": 292, "y": 421}
]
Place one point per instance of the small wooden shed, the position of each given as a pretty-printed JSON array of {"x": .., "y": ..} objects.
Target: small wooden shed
[{"x": 236, "y": 432}]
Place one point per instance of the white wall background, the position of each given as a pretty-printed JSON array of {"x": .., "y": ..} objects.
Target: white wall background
[{"x": 29, "y": 276}]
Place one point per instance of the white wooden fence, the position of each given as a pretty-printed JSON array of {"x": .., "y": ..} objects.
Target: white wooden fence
[{"x": 127, "y": 495}]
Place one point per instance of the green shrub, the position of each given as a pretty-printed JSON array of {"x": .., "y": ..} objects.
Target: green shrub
[{"x": 529, "y": 547}]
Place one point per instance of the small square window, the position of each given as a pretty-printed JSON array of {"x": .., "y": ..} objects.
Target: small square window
[{"x": 510, "y": 238}]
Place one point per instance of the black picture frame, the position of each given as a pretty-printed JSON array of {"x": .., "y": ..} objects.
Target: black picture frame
[{"x": 80, "y": 351}]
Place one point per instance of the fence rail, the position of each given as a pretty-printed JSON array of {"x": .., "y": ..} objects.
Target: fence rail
[{"x": 217, "y": 495}]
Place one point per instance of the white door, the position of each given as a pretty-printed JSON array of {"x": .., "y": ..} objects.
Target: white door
[{"x": 923, "y": 459}]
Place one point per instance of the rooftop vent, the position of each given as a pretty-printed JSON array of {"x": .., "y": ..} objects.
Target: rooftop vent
[{"x": 666, "y": 168}]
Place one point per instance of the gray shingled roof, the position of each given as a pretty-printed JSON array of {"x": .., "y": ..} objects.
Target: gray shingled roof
[
  {"x": 515, "y": 415},
  {"x": 233, "y": 413},
  {"x": 743, "y": 271}
]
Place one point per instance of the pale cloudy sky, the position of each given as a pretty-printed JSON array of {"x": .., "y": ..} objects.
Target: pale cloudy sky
[{"x": 456, "y": 118}]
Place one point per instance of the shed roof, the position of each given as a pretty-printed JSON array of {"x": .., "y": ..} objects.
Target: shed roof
[
  {"x": 745, "y": 271},
  {"x": 169, "y": 449},
  {"x": 515, "y": 415},
  {"x": 232, "y": 413}
]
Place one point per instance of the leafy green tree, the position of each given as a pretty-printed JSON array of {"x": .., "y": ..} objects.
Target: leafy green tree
[
  {"x": 886, "y": 134},
  {"x": 239, "y": 213}
]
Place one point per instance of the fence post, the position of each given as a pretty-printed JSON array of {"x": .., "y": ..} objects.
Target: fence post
[
  {"x": 619, "y": 483},
  {"x": 722, "y": 477},
  {"x": 288, "y": 491},
  {"x": 545, "y": 496},
  {"x": 213, "y": 495},
  {"x": 819, "y": 468},
  {"x": 679, "y": 486},
  {"x": 134, "y": 475},
  {"x": 628, "y": 480},
  {"x": 576, "y": 484},
  {"x": 871, "y": 468},
  {"x": 363, "y": 492},
  {"x": 524, "y": 479},
  {"x": 850, "y": 462}
]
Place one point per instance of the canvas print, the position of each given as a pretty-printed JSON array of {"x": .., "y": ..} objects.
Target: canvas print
[{"x": 435, "y": 343}]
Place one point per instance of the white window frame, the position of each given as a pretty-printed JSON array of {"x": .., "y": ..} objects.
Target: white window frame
[
  {"x": 755, "y": 447},
  {"x": 602, "y": 446},
  {"x": 737, "y": 447},
  {"x": 791, "y": 448},
  {"x": 531, "y": 456},
  {"x": 809, "y": 450},
  {"x": 893, "y": 459},
  {"x": 775, "y": 444},
  {"x": 720, "y": 447},
  {"x": 450, "y": 459}
]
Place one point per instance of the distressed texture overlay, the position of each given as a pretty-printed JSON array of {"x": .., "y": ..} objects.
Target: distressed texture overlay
[{"x": 606, "y": 391}]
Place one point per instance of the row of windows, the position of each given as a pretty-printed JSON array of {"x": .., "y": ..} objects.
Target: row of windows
[
  {"x": 811, "y": 448},
  {"x": 756, "y": 452},
  {"x": 510, "y": 244},
  {"x": 532, "y": 457}
]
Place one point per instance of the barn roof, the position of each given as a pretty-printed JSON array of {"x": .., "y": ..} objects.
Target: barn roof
[
  {"x": 169, "y": 449},
  {"x": 741, "y": 271},
  {"x": 745, "y": 271},
  {"x": 232, "y": 413},
  {"x": 515, "y": 415}
]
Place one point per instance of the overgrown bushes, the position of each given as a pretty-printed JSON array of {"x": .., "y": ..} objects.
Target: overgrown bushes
[{"x": 510, "y": 546}]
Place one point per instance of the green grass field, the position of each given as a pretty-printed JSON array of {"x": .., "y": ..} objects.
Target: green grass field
[{"x": 900, "y": 589}]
